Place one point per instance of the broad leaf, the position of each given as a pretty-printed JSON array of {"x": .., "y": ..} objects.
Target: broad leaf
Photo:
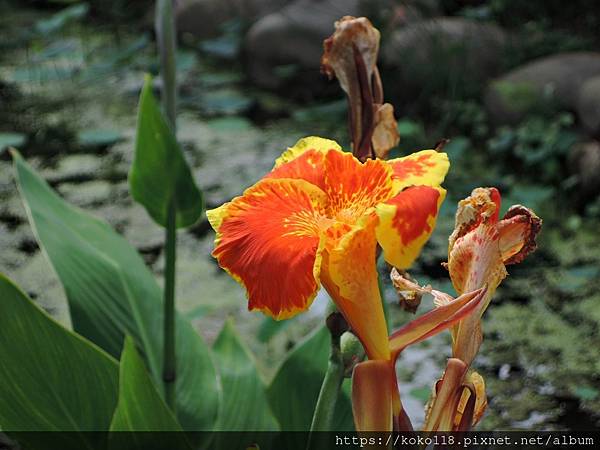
[
  {"x": 294, "y": 391},
  {"x": 52, "y": 378},
  {"x": 245, "y": 406},
  {"x": 159, "y": 172},
  {"x": 112, "y": 293},
  {"x": 141, "y": 408}
]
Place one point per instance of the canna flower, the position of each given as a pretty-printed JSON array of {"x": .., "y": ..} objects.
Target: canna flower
[
  {"x": 480, "y": 248},
  {"x": 316, "y": 219}
]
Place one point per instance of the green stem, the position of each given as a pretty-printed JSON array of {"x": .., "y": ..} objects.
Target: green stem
[
  {"x": 167, "y": 47},
  {"x": 169, "y": 361},
  {"x": 330, "y": 391}
]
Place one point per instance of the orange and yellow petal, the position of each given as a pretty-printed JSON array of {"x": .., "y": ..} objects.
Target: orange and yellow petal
[
  {"x": 349, "y": 274},
  {"x": 269, "y": 240},
  {"x": 406, "y": 221},
  {"x": 424, "y": 168},
  {"x": 373, "y": 385},
  {"x": 354, "y": 187},
  {"x": 309, "y": 166},
  {"x": 314, "y": 143},
  {"x": 473, "y": 402}
]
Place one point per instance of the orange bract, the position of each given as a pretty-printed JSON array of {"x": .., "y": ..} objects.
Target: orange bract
[{"x": 317, "y": 217}]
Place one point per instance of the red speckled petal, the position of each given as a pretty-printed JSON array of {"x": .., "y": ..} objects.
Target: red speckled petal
[
  {"x": 406, "y": 221},
  {"x": 424, "y": 168},
  {"x": 269, "y": 240}
]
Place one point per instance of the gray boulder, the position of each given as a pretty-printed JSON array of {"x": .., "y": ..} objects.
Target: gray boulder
[
  {"x": 550, "y": 81},
  {"x": 584, "y": 163},
  {"x": 437, "y": 54},
  {"x": 292, "y": 36},
  {"x": 588, "y": 106},
  {"x": 205, "y": 18}
]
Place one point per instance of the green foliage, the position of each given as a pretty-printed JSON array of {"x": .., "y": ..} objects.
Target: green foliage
[
  {"x": 244, "y": 406},
  {"x": 52, "y": 379},
  {"x": 61, "y": 18},
  {"x": 159, "y": 173},
  {"x": 141, "y": 408},
  {"x": 412, "y": 137},
  {"x": 537, "y": 143},
  {"x": 295, "y": 388},
  {"x": 111, "y": 293},
  {"x": 137, "y": 396}
]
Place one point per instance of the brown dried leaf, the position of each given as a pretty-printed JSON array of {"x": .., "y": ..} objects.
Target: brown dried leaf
[{"x": 385, "y": 135}]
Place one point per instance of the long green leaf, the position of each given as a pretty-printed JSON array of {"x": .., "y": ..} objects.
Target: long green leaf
[
  {"x": 51, "y": 379},
  {"x": 245, "y": 406},
  {"x": 112, "y": 293},
  {"x": 295, "y": 388},
  {"x": 141, "y": 408},
  {"x": 159, "y": 172}
]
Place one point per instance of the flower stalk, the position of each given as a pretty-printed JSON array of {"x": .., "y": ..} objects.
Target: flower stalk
[
  {"x": 169, "y": 359},
  {"x": 167, "y": 45},
  {"x": 330, "y": 389}
]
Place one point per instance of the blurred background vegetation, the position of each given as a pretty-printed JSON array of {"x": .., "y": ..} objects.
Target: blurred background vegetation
[{"x": 514, "y": 85}]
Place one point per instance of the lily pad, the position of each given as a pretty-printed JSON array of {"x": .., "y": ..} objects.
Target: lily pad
[
  {"x": 229, "y": 124},
  {"x": 11, "y": 140},
  {"x": 98, "y": 138},
  {"x": 225, "y": 101}
]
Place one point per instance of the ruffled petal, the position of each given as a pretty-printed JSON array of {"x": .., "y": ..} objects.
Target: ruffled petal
[
  {"x": 349, "y": 274},
  {"x": 305, "y": 161},
  {"x": 269, "y": 240},
  {"x": 318, "y": 144},
  {"x": 373, "y": 383},
  {"x": 424, "y": 168},
  {"x": 406, "y": 221},
  {"x": 308, "y": 166},
  {"x": 518, "y": 231},
  {"x": 481, "y": 207}
]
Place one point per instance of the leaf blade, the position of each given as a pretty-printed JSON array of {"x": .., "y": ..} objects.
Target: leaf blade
[
  {"x": 64, "y": 383},
  {"x": 140, "y": 408},
  {"x": 112, "y": 293},
  {"x": 295, "y": 388},
  {"x": 159, "y": 171}
]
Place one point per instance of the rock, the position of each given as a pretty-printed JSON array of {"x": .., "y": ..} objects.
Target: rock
[
  {"x": 74, "y": 168},
  {"x": 205, "y": 18},
  {"x": 588, "y": 106},
  {"x": 86, "y": 194},
  {"x": 292, "y": 36},
  {"x": 432, "y": 55},
  {"x": 554, "y": 80},
  {"x": 36, "y": 277},
  {"x": 584, "y": 162}
]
